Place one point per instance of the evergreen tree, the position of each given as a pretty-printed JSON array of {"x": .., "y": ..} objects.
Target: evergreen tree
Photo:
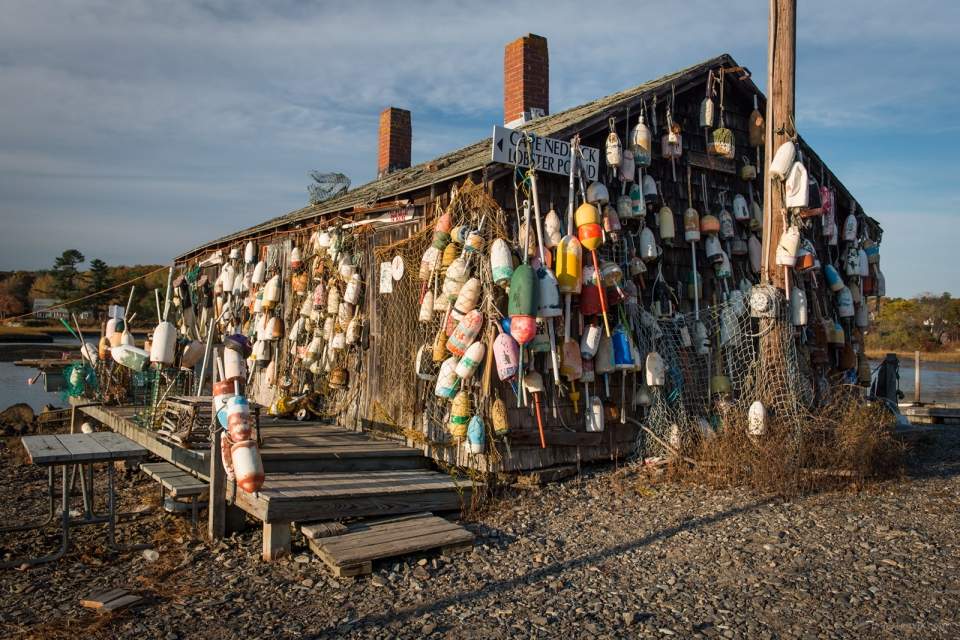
[{"x": 66, "y": 277}]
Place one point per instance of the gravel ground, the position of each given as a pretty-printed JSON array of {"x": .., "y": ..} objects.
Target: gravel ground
[{"x": 603, "y": 555}]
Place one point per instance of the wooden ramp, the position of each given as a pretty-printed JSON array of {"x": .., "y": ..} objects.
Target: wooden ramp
[{"x": 354, "y": 552}]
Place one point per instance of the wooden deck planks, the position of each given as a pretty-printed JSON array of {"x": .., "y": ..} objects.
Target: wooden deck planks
[{"x": 353, "y": 553}]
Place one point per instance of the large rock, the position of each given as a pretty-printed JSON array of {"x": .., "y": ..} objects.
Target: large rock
[{"x": 20, "y": 413}]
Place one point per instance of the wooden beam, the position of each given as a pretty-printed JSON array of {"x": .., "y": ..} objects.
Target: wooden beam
[
  {"x": 276, "y": 540},
  {"x": 217, "y": 507},
  {"x": 781, "y": 86}
]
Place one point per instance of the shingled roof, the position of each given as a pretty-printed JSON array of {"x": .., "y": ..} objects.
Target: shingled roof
[{"x": 475, "y": 156}]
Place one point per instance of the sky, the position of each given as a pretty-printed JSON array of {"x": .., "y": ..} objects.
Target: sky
[{"x": 134, "y": 131}]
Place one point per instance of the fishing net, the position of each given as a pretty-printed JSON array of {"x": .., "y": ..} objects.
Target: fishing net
[
  {"x": 405, "y": 403},
  {"x": 81, "y": 379},
  {"x": 715, "y": 368}
]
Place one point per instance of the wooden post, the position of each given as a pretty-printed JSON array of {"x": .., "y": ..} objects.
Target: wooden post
[
  {"x": 916, "y": 377},
  {"x": 276, "y": 540},
  {"x": 781, "y": 85},
  {"x": 217, "y": 506}
]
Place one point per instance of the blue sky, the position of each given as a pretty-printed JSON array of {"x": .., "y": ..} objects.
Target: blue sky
[{"x": 136, "y": 130}]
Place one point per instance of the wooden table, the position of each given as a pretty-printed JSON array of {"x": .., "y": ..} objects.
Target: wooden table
[{"x": 83, "y": 450}]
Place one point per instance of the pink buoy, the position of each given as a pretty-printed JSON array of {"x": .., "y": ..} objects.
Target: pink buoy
[{"x": 506, "y": 352}]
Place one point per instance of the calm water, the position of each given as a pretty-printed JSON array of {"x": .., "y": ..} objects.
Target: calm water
[
  {"x": 939, "y": 382},
  {"x": 14, "y": 387}
]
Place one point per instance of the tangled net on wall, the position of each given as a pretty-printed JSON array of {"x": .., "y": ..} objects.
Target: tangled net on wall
[{"x": 816, "y": 428}]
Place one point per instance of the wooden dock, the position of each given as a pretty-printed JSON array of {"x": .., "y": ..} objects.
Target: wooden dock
[
  {"x": 315, "y": 471},
  {"x": 931, "y": 413}
]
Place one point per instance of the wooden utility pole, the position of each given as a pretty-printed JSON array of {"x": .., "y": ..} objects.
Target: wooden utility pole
[{"x": 781, "y": 85}]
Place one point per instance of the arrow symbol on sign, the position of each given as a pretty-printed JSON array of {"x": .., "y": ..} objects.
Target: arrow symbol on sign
[{"x": 500, "y": 144}]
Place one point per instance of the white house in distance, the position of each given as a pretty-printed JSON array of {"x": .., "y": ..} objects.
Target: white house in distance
[{"x": 41, "y": 304}]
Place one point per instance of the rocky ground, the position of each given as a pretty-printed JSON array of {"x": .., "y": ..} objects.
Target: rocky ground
[{"x": 604, "y": 555}]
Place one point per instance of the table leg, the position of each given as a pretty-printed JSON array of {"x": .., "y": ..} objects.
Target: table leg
[
  {"x": 65, "y": 520},
  {"x": 86, "y": 489},
  {"x": 50, "y": 499},
  {"x": 194, "y": 522},
  {"x": 111, "y": 522}
]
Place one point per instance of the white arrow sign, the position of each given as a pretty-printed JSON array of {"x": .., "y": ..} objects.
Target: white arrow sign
[{"x": 552, "y": 156}]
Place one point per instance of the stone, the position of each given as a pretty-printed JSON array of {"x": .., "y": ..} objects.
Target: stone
[{"x": 151, "y": 555}]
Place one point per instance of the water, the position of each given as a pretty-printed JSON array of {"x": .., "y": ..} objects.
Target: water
[
  {"x": 939, "y": 382},
  {"x": 14, "y": 387}
]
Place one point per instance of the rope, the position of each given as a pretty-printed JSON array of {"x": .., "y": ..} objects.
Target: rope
[{"x": 86, "y": 297}]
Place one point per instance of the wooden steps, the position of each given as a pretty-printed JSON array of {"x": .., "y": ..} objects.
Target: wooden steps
[
  {"x": 288, "y": 497},
  {"x": 354, "y": 552}
]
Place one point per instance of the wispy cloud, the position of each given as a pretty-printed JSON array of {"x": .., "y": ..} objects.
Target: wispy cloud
[{"x": 178, "y": 122}]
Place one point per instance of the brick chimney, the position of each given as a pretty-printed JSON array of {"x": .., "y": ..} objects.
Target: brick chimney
[
  {"x": 526, "y": 80},
  {"x": 393, "y": 149}
]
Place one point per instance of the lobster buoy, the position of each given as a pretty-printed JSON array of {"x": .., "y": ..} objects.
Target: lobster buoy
[
  {"x": 872, "y": 250},
  {"x": 447, "y": 378},
  {"x": 131, "y": 357},
  {"x": 757, "y": 420},
  {"x": 727, "y": 229},
  {"x": 723, "y": 269},
  {"x": 506, "y": 353},
  {"x": 691, "y": 225},
  {"x": 712, "y": 248},
  {"x": 457, "y": 275},
  {"x": 594, "y": 415},
  {"x": 548, "y": 294},
  {"x": 428, "y": 262},
  {"x": 862, "y": 259},
  {"x": 648, "y": 245},
  {"x": 755, "y": 251},
  {"x": 622, "y": 354},
  {"x": 465, "y": 333},
  {"x": 571, "y": 364},
  {"x": 722, "y": 142},
  {"x": 656, "y": 376},
  {"x": 588, "y": 372},
  {"x": 226, "y": 458},
  {"x": 239, "y": 420},
  {"x": 296, "y": 260},
  {"x": 426, "y": 307},
  {"x": 862, "y": 317},
  {"x": 740, "y": 211},
  {"x": 468, "y": 297},
  {"x": 259, "y": 273},
  {"x": 164, "y": 344},
  {"x": 850, "y": 228},
  {"x": 501, "y": 262},
  {"x": 471, "y": 360},
  {"x": 569, "y": 265},
  {"x": 611, "y": 220},
  {"x": 845, "y": 303},
  {"x": 643, "y": 397},
  {"x": 614, "y": 148},
  {"x": 788, "y": 247},
  {"x": 627, "y": 166},
  {"x": 250, "y": 253},
  {"x": 476, "y": 435},
  {"x": 694, "y": 285},
  {"x": 667, "y": 230},
  {"x": 833, "y": 277},
  {"x": 247, "y": 465},
  {"x": 522, "y": 304},
  {"x": 596, "y": 195},
  {"x": 782, "y": 161},
  {"x": 641, "y": 144},
  {"x": 192, "y": 353},
  {"x": 587, "y": 214},
  {"x": 798, "y": 307},
  {"x": 590, "y": 342},
  {"x": 352, "y": 293},
  {"x": 551, "y": 229},
  {"x": 460, "y": 410}
]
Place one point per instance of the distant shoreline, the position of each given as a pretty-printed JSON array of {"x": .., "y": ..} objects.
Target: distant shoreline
[{"x": 908, "y": 356}]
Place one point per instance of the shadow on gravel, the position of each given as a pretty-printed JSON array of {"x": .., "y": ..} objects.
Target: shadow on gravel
[{"x": 547, "y": 572}]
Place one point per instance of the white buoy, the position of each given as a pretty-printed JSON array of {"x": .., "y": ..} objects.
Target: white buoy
[
  {"x": 164, "y": 344},
  {"x": 757, "y": 425},
  {"x": 352, "y": 293},
  {"x": 259, "y": 273},
  {"x": 501, "y": 262},
  {"x": 798, "y": 307},
  {"x": 782, "y": 161},
  {"x": 590, "y": 342},
  {"x": 248, "y": 466},
  {"x": 594, "y": 415},
  {"x": 468, "y": 297},
  {"x": 447, "y": 378},
  {"x": 471, "y": 360},
  {"x": 656, "y": 376},
  {"x": 132, "y": 357}
]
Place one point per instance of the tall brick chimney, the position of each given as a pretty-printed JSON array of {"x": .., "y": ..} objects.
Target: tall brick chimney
[
  {"x": 396, "y": 134},
  {"x": 526, "y": 80}
]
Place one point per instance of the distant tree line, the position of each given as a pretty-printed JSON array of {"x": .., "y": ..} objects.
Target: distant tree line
[
  {"x": 65, "y": 281},
  {"x": 927, "y": 322}
]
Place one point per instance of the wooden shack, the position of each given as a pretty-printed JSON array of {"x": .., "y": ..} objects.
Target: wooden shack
[{"x": 394, "y": 216}]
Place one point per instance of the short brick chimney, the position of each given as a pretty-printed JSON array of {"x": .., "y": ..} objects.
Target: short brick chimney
[
  {"x": 526, "y": 80},
  {"x": 396, "y": 135}
]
